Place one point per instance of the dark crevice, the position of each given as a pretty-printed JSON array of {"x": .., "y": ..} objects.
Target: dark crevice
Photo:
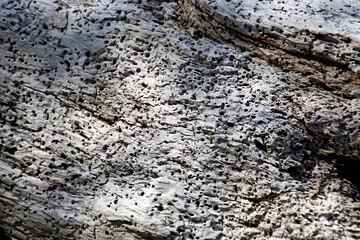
[
  {"x": 346, "y": 168},
  {"x": 322, "y": 60},
  {"x": 349, "y": 169},
  {"x": 260, "y": 145},
  {"x": 3, "y": 235}
]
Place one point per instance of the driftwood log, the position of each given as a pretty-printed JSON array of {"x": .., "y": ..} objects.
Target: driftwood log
[{"x": 146, "y": 119}]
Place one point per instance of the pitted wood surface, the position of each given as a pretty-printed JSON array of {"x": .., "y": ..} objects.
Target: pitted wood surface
[{"x": 150, "y": 120}]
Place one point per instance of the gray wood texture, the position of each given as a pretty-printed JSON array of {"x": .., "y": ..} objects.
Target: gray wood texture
[{"x": 154, "y": 120}]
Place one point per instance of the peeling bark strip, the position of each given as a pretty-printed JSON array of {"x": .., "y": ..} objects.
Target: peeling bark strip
[{"x": 151, "y": 120}]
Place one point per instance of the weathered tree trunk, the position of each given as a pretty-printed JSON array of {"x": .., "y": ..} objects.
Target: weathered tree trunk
[{"x": 156, "y": 120}]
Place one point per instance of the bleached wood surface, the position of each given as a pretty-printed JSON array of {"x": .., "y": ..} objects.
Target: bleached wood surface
[{"x": 152, "y": 120}]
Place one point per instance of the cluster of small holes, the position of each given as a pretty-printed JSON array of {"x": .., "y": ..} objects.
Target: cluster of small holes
[{"x": 111, "y": 115}]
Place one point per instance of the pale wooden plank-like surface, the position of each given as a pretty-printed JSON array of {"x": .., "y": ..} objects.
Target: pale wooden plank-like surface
[{"x": 150, "y": 120}]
